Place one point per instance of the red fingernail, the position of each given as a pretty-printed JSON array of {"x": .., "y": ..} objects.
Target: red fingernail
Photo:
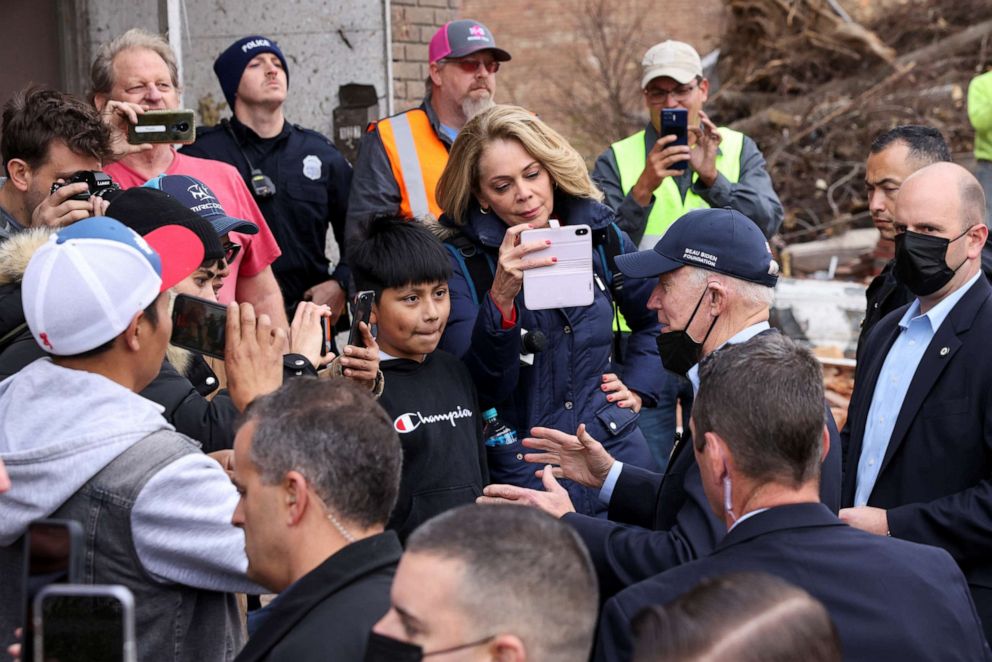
[
  {"x": 554, "y": 259},
  {"x": 547, "y": 242}
]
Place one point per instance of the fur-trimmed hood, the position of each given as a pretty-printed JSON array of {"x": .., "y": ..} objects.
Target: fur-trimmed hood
[{"x": 16, "y": 252}]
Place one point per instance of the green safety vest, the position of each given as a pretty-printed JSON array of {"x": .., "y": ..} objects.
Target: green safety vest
[{"x": 668, "y": 203}]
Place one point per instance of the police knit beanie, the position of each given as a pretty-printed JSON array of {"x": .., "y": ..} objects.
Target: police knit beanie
[{"x": 230, "y": 65}]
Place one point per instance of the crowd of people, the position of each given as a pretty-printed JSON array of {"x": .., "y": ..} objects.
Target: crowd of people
[{"x": 470, "y": 478}]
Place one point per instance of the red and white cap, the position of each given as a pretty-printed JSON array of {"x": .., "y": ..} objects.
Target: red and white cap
[{"x": 83, "y": 287}]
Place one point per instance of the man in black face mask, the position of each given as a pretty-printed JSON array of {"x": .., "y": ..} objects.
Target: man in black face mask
[
  {"x": 918, "y": 441},
  {"x": 716, "y": 280}
]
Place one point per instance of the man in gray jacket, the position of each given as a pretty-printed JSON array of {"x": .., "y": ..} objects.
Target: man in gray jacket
[{"x": 80, "y": 443}]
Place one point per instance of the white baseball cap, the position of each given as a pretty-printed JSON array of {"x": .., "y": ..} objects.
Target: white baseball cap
[
  {"x": 83, "y": 287},
  {"x": 675, "y": 59}
]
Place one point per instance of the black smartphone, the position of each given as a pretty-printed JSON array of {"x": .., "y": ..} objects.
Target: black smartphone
[
  {"x": 198, "y": 325},
  {"x": 361, "y": 311},
  {"x": 84, "y": 623},
  {"x": 163, "y": 126},
  {"x": 675, "y": 121},
  {"x": 53, "y": 554}
]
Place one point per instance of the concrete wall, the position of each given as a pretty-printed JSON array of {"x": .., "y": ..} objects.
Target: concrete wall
[{"x": 327, "y": 43}]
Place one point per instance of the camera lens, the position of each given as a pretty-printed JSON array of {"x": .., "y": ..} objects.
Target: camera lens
[
  {"x": 582, "y": 231},
  {"x": 182, "y": 127}
]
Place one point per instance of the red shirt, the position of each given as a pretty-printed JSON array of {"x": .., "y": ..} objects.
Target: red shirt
[{"x": 257, "y": 251}]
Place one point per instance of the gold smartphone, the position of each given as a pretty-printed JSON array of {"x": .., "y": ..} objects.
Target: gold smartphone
[{"x": 163, "y": 126}]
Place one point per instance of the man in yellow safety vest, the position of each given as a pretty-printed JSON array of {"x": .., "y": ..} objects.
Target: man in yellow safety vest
[
  {"x": 726, "y": 168},
  {"x": 401, "y": 157}
]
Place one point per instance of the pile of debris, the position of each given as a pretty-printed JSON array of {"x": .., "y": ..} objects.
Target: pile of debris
[{"x": 813, "y": 84}]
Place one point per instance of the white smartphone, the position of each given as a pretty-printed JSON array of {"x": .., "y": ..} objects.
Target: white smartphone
[
  {"x": 567, "y": 283},
  {"x": 84, "y": 623}
]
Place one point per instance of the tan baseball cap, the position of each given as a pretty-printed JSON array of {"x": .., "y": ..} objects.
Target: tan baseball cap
[{"x": 675, "y": 59}]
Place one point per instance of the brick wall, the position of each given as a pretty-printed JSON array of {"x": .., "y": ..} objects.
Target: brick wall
[{"x": 414, "y": 23}]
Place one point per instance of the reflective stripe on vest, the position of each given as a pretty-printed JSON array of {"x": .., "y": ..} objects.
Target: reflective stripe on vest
[
  {"x": 668, "y": 202},
  {"x": 417, "y": 157}
]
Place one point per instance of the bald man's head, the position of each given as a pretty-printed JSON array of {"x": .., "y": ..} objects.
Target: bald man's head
[{"x": 945, "y": 185}]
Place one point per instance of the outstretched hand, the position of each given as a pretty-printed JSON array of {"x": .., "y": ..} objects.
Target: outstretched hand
[
  {"x": 577, "y": 457},
  {"x": 554, "y": 500}
]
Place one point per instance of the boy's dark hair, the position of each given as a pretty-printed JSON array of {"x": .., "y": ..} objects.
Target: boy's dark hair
[
  {"x": 926, "y": 144},
  {"x": 36, "y": 116},
  {"x": 395, "y": 252}
]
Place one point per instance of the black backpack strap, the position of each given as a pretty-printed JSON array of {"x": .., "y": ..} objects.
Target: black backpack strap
[
  {"x": 477, "y": 267},
  {"x": 608, "y": 243}
]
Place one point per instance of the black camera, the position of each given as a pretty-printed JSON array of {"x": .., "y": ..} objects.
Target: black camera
[{"x": 99, "y": 182}]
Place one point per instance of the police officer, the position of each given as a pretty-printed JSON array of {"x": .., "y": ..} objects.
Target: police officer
[{"x": 299, "y": 179}]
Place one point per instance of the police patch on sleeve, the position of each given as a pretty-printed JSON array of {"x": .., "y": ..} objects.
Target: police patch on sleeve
[{"x": 311, "y": 167}]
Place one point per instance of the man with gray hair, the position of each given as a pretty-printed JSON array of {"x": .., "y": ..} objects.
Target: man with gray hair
[
  {"x": 317, "y": 465},
  {"x": 136, "y": 72},
  {"x": 500, "y": 583},
  {"x": 716, "y": 280},
  {"x": 918, "y": 441}
]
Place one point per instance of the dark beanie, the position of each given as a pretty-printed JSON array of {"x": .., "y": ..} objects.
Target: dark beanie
[
  {"x": 145, "y": 209},
  {"x": 230, "y": 65}
]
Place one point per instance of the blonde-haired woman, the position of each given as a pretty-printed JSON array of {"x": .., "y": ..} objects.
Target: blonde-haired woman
[{"x": 507, "y": 172}]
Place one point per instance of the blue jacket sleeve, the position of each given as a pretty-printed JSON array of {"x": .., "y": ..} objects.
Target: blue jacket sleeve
[
  {"x": 475, "y": 334},
  {"x": 642, "y": 370}
]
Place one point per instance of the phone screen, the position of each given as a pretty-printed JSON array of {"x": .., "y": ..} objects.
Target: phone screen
[
  {"x": 675, "y": 121},
  {"x": 83, "y": 628},
  {"x": 198, "y": 325},
  {"x": 51, "y": 557},
  {"x": 361, "y": 311}
]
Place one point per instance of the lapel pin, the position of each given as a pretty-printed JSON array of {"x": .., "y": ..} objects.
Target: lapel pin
[{"x": 944, "y": 351}]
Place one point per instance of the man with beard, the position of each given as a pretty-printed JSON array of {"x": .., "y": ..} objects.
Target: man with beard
[{"x": 401, "y": 158}]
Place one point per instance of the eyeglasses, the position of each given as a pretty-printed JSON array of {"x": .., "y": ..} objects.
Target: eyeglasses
[
  {"x": 472, "y": 66},
  {"x": 682, "y": 93},
  {"x": 231, "y": 251}
]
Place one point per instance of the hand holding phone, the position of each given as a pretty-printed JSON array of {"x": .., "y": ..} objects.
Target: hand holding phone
[
  {"x": 310, "y": 332},
  {"x": 361, "y": 311},
  {"x": 515, "y": 258}
]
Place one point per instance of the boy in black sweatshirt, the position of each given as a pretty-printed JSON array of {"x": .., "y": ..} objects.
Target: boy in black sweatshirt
[{"x": 429, "y": 394}]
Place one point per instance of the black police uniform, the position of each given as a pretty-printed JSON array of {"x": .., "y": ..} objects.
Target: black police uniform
[{"x": 311, "y": 180}]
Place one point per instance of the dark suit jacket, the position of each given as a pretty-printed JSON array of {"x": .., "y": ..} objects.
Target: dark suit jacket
[
  {"x": 328, "y": 613},
  {"x": 668, "y": 519},
  {"x": 884, "y": 294},
  {"x": 935, "y": 476},
  {"x": 890, "y": 599}
]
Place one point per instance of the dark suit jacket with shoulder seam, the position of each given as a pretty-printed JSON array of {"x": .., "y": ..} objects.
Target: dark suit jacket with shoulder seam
[
  {"x": 935, "y": 476},
  {"x": 328, "y": 613},
  {"x": 890, "y": 599}
]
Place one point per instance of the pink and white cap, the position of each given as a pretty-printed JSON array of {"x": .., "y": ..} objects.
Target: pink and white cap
[
  {"x": 461, "y": 38},
  {"x": 84, "y": 286}
]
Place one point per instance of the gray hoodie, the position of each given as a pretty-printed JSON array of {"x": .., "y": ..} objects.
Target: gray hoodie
[{"x": 59, "y": 427}]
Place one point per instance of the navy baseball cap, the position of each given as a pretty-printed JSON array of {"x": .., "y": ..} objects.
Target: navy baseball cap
[
  {"x": 198, "y": 197},
  {"x": 461, "y": 38},
  {"x": 721, "y": 240}
]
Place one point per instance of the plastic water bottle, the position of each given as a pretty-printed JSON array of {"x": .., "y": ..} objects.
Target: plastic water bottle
[{"x": 495, "y": 431}]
